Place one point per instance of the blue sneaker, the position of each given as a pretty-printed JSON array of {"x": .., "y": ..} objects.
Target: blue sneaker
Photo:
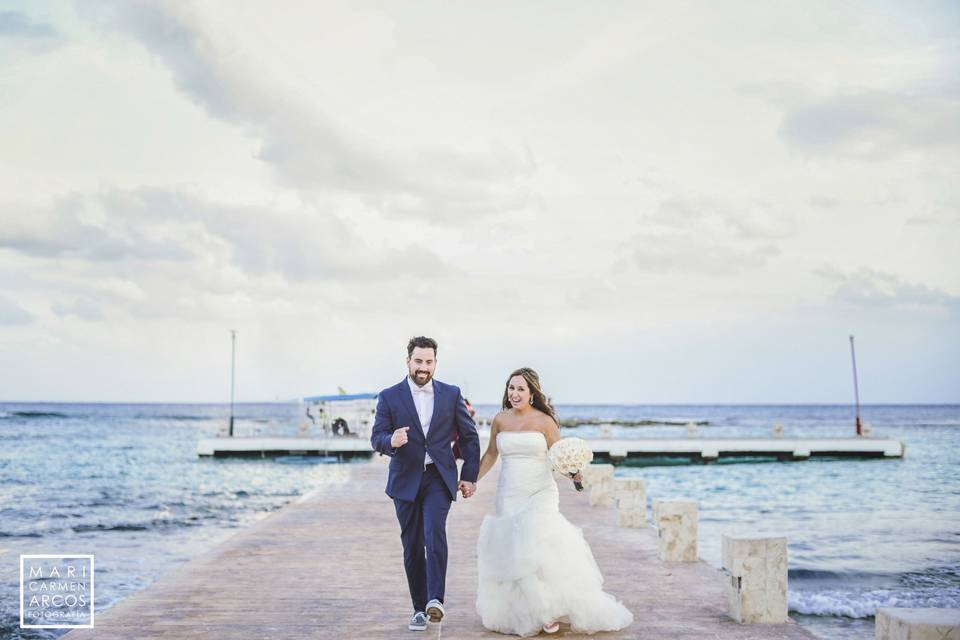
[
  {"x": 435, "y": 610},
  {"x": 418, "y": 622}
]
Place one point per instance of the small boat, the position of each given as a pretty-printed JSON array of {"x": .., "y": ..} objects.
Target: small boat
[
  {"x": 335, "y": 425},
  {"x": 345, "y": 415}
]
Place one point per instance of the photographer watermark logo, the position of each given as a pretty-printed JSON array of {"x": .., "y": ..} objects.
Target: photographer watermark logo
[{"x": 56, "y": 591}]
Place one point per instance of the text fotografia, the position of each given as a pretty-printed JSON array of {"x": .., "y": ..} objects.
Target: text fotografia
[{"x": 56, "y": 591}]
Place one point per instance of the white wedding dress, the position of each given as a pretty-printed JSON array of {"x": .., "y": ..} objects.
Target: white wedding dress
[{"x": 534, "y": 565}]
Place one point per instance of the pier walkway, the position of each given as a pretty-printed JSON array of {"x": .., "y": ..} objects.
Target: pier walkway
[{"x": 330, "y": 566}]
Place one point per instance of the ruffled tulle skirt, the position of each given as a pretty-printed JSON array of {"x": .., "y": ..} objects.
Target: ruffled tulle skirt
[{"x": 535, "y": 567}]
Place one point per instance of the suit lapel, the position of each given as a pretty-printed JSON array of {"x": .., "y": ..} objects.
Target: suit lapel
[
  {"x": 437, "y": 394},
  {"x": 406, "y": 397}
]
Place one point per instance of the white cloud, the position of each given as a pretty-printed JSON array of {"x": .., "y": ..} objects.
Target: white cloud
[
  {"x": 617, "y": 186},
  {"x": 82, "y": 308},
  {"x": 13, "y": 24},
  {"x": 875, "y": 124},
  {"x": 17, "y": 29},
  {"x": 151, "y": 225},
  {"x": 875, "y": 288},
  {"x": 12, "y": 314},
  {"x": 308, "y": 148}
]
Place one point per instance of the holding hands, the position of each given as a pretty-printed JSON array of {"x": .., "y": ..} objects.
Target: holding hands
[{"x": 467, "y": 489}]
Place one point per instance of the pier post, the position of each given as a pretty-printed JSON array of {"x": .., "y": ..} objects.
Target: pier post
[
  {"x": 676, "y": 523},
  {"x": 596, "y": 471},
  {"x": 630, "y": 495},
  {"x": 599, "y": 479},
  {"x": 904, "y": 623},
  {"x": 758, "y": 578}
]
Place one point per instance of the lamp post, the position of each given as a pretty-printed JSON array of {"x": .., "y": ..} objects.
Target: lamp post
[{"x": 856, "y": 390}]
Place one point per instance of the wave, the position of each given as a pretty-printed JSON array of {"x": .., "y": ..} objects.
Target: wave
[
  {"x": 586, "y": 422},
  {"x": 857, "y": 594},
  {"x": 17, "y": 481},
  {"x": 816, "y": 575},
  {"x": 32, "y": 414},
  {"x": 156, "y": 523},
  {"x": 173, "y": 416},
  {"x": 859, "y": 603}
]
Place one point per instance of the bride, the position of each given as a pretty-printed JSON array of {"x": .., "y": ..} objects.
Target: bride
[{"x": 535, "y": 568}]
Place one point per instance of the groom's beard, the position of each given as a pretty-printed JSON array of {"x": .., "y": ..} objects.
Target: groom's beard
[{"x": 421, "y": 380}]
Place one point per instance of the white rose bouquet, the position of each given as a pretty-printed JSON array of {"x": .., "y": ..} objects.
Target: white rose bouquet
[{"x": 569, "y": 456}]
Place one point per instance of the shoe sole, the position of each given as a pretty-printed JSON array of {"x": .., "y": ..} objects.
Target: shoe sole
[
  {"x": 413, "y": 628},
  {"x": 435, "y": 615}
]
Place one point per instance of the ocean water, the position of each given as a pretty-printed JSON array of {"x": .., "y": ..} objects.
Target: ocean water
[
  {"x": 124, "y": 482},
  {"x": 861, "y": 534}
]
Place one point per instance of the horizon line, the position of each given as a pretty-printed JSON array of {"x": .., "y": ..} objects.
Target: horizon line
[{"x": 559, "y": 404}]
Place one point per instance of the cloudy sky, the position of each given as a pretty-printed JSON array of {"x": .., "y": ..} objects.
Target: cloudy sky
[{"x": 671, "y": 202}]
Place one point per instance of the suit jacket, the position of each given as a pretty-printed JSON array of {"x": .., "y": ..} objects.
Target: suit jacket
[{"x": 396, "y": 409}]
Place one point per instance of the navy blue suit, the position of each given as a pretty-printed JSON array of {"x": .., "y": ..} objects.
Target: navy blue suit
[{"x": 422, "y": 495}]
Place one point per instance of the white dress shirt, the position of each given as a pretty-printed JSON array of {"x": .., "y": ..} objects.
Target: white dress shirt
[{"x": 423, "y": 401}]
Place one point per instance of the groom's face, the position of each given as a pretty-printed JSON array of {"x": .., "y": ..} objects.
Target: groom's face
[{"x": 421, "y": 364}]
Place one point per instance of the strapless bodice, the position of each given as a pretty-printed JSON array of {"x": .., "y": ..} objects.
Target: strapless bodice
[{"x": 523, "y": 444}]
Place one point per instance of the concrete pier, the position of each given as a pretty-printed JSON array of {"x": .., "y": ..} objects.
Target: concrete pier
[{"x": 330, "y": 566}]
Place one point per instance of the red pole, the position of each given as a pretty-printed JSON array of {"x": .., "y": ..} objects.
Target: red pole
[{"x": 856, "y": 390}]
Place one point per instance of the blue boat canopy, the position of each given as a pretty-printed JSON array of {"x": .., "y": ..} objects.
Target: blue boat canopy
[{"x": 347, "y": 396}]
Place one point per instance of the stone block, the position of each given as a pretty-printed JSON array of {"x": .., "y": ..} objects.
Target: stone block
[
  {"x": 630, "y": 493},
  {"x": 630, "y": 496},
  {"x": 601, "y": 495},
  {"x": 598, "y": 473},
  {"x": 903, "y": 623},
  {"x": 631, "y": 518},
  {"x": 599, "y": 479},
  {"x": 629, "y": 484},
  {"x": 635, "y": 500},
  {"x": 676, "y": 523},
  {"x": 757, "y": 566}
]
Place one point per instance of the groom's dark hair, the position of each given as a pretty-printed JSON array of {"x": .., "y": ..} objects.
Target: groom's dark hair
[{"x": 423, "y": 342}]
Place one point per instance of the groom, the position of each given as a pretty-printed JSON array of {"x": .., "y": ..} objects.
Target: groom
[{"x": 415, "y": 422}]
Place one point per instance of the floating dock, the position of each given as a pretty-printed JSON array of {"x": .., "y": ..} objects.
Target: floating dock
[
  {"x": 331, "y": 566},
  {"x": 342, "y": 447},
  {"x": 703, "y": 450},
  {"x": 711, "y": 449}
]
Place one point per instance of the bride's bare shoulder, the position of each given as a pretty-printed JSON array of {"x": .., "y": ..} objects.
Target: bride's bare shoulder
[{"x": 542, "y": 420}]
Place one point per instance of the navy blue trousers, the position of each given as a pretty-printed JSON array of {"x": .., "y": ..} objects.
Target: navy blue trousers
[{"x": 423, "y": 531}]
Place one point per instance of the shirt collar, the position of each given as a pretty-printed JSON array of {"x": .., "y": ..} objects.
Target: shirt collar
[{"x": 427, "y": 388}]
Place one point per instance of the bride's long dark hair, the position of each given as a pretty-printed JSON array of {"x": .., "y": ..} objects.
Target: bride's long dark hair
[{"x": 540, "y": 400}]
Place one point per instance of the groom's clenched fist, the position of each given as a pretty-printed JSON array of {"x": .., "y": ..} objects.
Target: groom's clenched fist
[{"x": 399, "y": 437}]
